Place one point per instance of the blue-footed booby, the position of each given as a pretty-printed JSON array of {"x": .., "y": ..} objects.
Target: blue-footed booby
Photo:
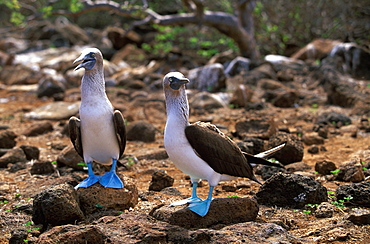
[
  {"x": 200, "y": 149},
  {"x": 100, "y": 135}
]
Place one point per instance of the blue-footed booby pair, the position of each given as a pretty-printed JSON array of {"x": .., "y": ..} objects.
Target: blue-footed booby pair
[
  {"x": 200, "y": 149},
  {"x": 100, "y": 135}
]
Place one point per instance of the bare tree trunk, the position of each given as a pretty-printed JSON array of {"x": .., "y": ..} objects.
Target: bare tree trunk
[{"x": 240, "y": 28}]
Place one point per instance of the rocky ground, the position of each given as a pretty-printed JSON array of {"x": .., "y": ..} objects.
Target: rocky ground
[{"x": 330, "y": 145}]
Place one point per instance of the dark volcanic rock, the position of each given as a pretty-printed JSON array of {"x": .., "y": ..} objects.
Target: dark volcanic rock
[
  {"x": 286, "y": 99},
  {"x": 359, "y": 192},
  {"x": 97, "y": 198},
  {"x": 324, "y": 210},
  {"x": 144, "y": 229},
  {"x": 359, "y": 216},
  {"x": 7, "y": 139},
  {"x": 291, "y": 190},
  {"x": 141, "y": 131},
  {"x": 73, "y": 234},
  {"x": 222, "y": 211},
  {"x": 210, "y": 78},
  {"x": 38, "y": 129},
  {"x": 57, "y": 205},
  {"x": 69, "y": 157},
  {"x": 293, "y": 150},
  {"x": 18, "y": 236},
  {"x": 324, "y": 167},
  {"x": 350, "y": 172},
  {"x": 312, "y": 138},
  {"x": 335, "y": 118},
  {"x": 13, "y": 156},
  {"x": 267, "y": 171},
  {"x": 261, "y": 128},
  {"x": 42, "y": 168},
  {"x": 160, "y": 180},
  {"x": 31, "y": 152},
  {"x": 251, "y": 145}
]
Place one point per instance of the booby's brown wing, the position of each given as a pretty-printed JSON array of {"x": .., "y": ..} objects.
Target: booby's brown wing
[
  {"x": 120, "y": 128},
  {"x": 74, "y": 126},
  {"x": 217, "y": 150}
]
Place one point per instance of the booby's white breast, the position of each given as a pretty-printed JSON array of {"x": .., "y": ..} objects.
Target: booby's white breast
[
  {"x": 98, "y": 136},
  {"x": 183, "y": 155}
]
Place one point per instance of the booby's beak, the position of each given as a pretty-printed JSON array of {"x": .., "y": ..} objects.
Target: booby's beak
[
  {"x": 88, "y": 61},
  {"x": 176, "y": 83}
]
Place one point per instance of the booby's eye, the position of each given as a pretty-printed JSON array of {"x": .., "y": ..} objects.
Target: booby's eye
[{"x": 170, "y": 79}]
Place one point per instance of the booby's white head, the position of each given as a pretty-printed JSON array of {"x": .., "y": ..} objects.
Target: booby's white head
[
  {"x": 174, "y": 81},
  {"x": 89, "y": 58}
]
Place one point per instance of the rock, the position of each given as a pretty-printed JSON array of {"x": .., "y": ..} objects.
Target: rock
[
  {"x": 291, "y": 190},
  {"x": 69, "y": 157},
  {"x": 291, "y": 152},
  {"x": 334, "y": 118},
  {"x": 238, "y": 65},
  {"x": 13, "y": 156},
  {"x": 351, "y": 172},
  {"x": 73, "y": 234},
  {"x": 241, "y": 96},
  {"x": 54, "y": 111},
  {"x": 251, "y": 145},
  {"x": 158, "y": 155},
  {"x": 57, "y": 205},
  {"x": 312, "y": 138},
  {"x": 229, "y": 188},
  {"x": 222, "y": 211},
  {"x": 18, "y": 235},
  {"x": 42, "y": 168},
  {"x": 267, "y": 171},
  {"x": 146, "y": 229},
  {"x": 209, "y": 78},
  {"x": 31, "y": 152},
  {"x": 140, "y": 131},
  {"x": 325, "y": 167},
  {"x": 7, "y": 139},
  {"x": 160, "y": 180},
  {"x": 286, "y": 99},
  {"x": 359, "y": 192},
  {"x": 206, "y": 101},
  {"x": 324, "y": 210},
  {"x": 16, "y": 167},
  {"x": 19, "y": 74},
  {"x": 266, "y": 70},
  {"x": 313, "y": 149},
  {"x": 359, "y": 216},
  {"x": 51, "y": 83},
  {"x": 298, "y": 166},
  {"x": 39, "y": 129},
  {"x": 255, "y": 106},
  {"x": 261, "y": 128},
  {"x": 269, "y": 84},
  {"x": 97, "y": 198}
]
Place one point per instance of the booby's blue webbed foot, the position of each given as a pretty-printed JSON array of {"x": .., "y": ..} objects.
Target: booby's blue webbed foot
[
  {"x": 90, "y": 180},
  {"x": 187, "y": 200},
  {"x": 111, "y": 179},
  {"x": 201, "y": 208},
  {"x": 193, "y": 199}
]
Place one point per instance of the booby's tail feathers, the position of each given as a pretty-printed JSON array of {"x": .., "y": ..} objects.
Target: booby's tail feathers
[{"x": 269, "y": 152}]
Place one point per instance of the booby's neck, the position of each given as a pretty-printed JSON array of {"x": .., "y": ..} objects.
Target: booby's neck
[
  {"x": 93, "y": 84},
  {"x": 177, "y": 107}
]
